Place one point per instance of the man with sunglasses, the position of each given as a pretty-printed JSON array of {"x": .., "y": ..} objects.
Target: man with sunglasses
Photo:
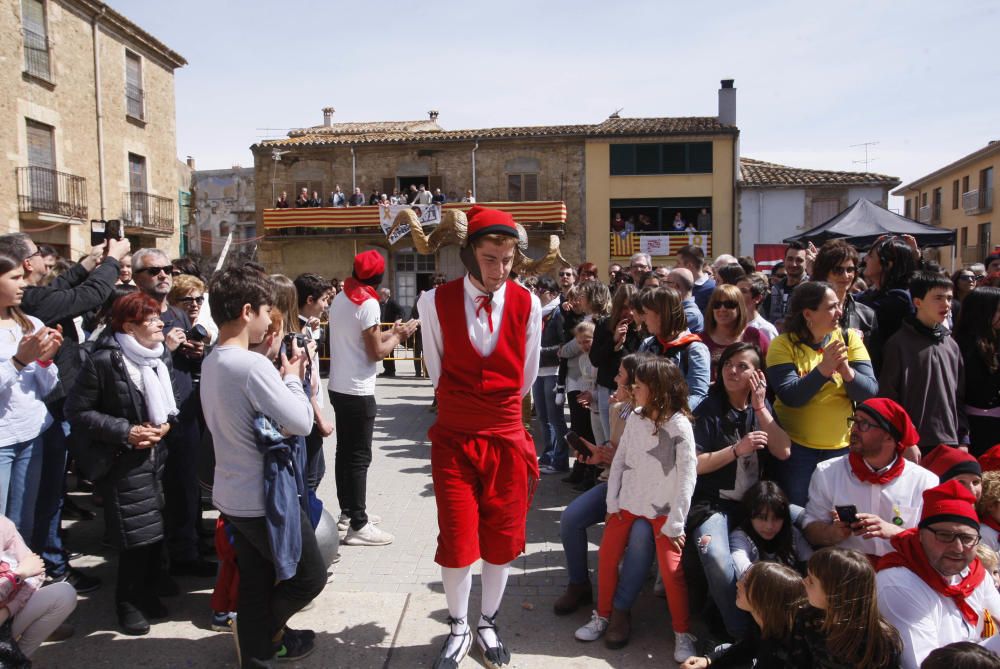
[
  {"x": 863, "y": 499},
  {"x": 152, "y": 272},
  {"x": 933, "y": 588}
]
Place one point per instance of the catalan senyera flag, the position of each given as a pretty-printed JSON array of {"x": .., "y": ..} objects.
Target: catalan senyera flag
[{"x": 351, "y": 217}]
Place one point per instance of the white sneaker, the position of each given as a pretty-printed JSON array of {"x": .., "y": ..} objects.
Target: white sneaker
[
  {"x": 344, "y": 522},
  {"x": 684, "y": 646},
  {"x": 593, "y": 630},
  {"x": 369, "y": 535}
]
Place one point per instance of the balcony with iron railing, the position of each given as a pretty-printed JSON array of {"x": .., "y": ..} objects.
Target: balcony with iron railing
[
  {"x": 135, "y": 102},
  {"x": 978, "y": 201},
  {"x": 36, "y": 55},
  {"x": 930, "y": 213},
  {"x": 145, "y": 213},
  {"x": 41, "y": 190}
]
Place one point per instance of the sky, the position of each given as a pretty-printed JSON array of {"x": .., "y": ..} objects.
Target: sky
[{"x": 813, "y": 79}]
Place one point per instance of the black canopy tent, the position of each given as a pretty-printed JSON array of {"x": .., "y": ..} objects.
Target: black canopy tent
[{"x": 864, "y": 222}]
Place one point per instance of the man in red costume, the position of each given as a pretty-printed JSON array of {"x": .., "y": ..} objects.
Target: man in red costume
[{"x": 482, "y": 337}]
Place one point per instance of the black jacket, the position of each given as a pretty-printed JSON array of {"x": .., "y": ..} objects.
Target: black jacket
[
  {"x": 552, "y": 338},
  {"x": 71, "y": 294},
  {"x": 603, "y": 355},
  {"x": 104, "y": 404},
  {"x": 861, "y": 317}
]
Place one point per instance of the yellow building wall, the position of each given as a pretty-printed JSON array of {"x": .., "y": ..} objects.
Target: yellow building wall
[
  {"x": 956, "y": 219},
  {"x": 601, "y": 188}
]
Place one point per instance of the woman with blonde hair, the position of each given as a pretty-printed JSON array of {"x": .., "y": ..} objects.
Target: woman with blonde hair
[{"x": 726, "y": 322}]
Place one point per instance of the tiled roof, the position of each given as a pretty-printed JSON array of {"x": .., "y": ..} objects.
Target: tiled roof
[
  {"x": 760, "y": 174},
  {"x": 428, "y": 131}
]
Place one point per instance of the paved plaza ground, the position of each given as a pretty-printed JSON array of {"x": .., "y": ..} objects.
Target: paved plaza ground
[{"x": 382, "y": 607}]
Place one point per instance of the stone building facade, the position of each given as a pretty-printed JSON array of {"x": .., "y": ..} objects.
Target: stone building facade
[
  {"x": 88, "y": 125},
  {"x": 222, "y": 201},
  {"x": 640, "y": 165}
]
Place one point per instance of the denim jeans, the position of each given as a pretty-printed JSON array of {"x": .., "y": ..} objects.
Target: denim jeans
[
  {"x": 720, "y": 572},
  {"x": 795, "y": 473},
  {"x": 587, "y": 510},
  {"x": 553, "y": 420},
  {"x": 20, "y": 474},
  {"x": 604, "y": 408},
  {"x": 48, "y": 508}
]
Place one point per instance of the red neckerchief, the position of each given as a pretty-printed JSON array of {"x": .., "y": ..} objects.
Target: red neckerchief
[
  {"x": 682, "y": 340},
  {"x": 989, "y": 521},
  {"x": 358, "y": 292},
  {"x": 865, "y": 473},
  {"x": 485, "y": 303},
  {"x": 910, "y": 554}
]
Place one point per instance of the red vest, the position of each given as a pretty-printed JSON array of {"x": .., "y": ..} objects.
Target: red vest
[{"x": 476, "y": 393}]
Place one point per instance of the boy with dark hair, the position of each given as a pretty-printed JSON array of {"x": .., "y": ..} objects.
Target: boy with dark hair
[
  {"x": 237, "y": 387},
  {"x": 314, "y": 298},
  {"x": 922, "y": 366}
]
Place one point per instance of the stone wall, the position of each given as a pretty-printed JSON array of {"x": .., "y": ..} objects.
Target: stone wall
[{"x": 67, "y": 102}]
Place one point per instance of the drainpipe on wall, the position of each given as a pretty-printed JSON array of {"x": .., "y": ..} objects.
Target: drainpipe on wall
[
  {"x": 354, "y": 181},
  {"x": 474, "y": 149},
  {"x": 100, "y": 113}
]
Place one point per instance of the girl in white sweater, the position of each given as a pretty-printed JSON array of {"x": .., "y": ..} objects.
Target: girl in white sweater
[{"x": 652, "y": 477}]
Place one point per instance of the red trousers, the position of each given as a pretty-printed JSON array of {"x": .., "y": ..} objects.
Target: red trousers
[
  {"x": 483, "y": 484},
  {"x": 227, "y": 582},
  {"x": 613, "y": 546}
]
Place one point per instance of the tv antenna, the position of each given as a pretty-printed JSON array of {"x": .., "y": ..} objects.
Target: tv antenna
[
  {"x": 868, "y": 158},
  {"x": 616, "y": 113}
]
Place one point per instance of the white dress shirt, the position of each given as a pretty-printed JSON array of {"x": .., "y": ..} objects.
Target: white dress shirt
[
  {"x": 483, "y": 341},
  {"x": 925, "y": 619},
  {"x": 834, "y": 484}
]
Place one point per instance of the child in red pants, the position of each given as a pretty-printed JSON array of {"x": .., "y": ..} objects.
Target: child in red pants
[{"x": 652, "y": 476}]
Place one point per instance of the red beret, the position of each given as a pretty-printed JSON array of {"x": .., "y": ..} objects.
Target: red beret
[
  {"x": 990, "y": 460},
  {"x": 483, "y": 221},
  {"x": 893, "y": 419},
  {"x": 950, "y": 502},
  {"x": 368, "y": 264},
  {"x": 948, "y": 462}
]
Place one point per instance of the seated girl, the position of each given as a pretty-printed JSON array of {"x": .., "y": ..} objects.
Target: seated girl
[{"x": 767, "y": 533}]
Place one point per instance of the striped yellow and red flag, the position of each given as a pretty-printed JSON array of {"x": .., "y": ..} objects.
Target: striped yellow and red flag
[{"x": 350, "y": 217}]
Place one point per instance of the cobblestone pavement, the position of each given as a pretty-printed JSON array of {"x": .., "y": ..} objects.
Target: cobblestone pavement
[{"x": 383, "y": 606}]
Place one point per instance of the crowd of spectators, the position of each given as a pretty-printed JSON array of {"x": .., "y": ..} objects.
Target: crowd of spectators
[
  {"x": 415, "y": 194},
  {"x": 810, "y": 457}
]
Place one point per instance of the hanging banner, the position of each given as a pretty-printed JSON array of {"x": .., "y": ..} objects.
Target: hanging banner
[
  {"x": 429, "y": 215},
  {"x": 655, "y": 245},
  {"x": 700, "y": 240}
]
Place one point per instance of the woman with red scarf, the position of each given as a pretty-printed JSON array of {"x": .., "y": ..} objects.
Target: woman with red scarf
[{"x": 933, "y": 588}]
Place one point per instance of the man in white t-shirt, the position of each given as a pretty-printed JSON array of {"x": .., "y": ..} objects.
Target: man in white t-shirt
[
  {"x": 934, "y": 589},
  {"x": 884, "y": 488},
  {"x": 357, "y": 343}
]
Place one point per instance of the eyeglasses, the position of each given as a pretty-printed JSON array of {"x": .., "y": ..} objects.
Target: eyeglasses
[
  {"x": 862, "y": 425},
  {"x": 967, "y": 540},
  {"x": 841, "y": 271},
  {"x": 154, "y": 271},
  {"x": 726, "y": 304},
  {"x": 190, "y": 299},
  {"x": 150, "y": 321},
  {"x": 37, "y": 252},
  {"x": 968, "y": 277},
  {"x": 565, "y": 273}
]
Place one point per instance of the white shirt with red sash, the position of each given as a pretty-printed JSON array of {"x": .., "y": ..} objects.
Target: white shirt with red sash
[
  {"x": 834, "y": 484},
  {"x": 925, "y": 619}
]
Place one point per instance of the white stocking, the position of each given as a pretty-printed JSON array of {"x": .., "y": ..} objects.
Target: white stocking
[
  {"x": 457, "y": 584},
  {"x": 494, "y": 583}
]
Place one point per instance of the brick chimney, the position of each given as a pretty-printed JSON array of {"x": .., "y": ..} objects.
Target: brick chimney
[
  {"x": 727, "y": 103},
  {"x": 190, "y": 163},
  {"x": 328, "y": 116},
  {"x": 433, "y": 114}
]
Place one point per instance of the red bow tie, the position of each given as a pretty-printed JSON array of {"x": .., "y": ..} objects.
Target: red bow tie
[{"x": 485, "y": 303}]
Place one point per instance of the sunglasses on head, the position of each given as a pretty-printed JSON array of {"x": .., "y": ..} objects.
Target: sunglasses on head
[
  {"x": 726, "y": 304},
  {"x": 153, "y": 271}
]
